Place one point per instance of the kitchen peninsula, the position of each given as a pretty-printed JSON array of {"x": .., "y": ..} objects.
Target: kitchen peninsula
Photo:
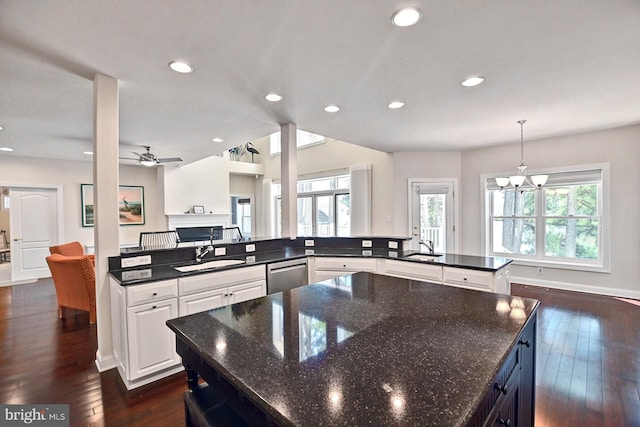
[
  {"x": 148, "y": 287},
  {"x": 368, "y": 349}
]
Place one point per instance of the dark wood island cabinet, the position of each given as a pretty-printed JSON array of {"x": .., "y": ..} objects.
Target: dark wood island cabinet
[{"x": 368, "y": 349}]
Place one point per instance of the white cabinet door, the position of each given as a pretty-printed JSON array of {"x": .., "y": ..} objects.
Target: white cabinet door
[
  {"x": 246, "y": 291},
  {"x": 203, "y": 301},
  {"x": 413, "y": 270},
  {"x": 467, "y": 278},
  {"x": 152, "y": 345}
]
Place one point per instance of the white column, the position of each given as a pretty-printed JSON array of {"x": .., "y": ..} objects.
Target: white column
[
  {"x": 289, "y": 179},
  {"x": 105, "y": 193}
]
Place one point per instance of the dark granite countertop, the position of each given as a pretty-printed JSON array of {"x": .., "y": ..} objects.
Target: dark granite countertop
[
  {"x": 152, "y": 273},
  {"x": 364, "y": 349}
]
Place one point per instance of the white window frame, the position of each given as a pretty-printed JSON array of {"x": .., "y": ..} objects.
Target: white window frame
[
  {"x": 602, "y": 265},
  {"x": 300, "y": 142}
]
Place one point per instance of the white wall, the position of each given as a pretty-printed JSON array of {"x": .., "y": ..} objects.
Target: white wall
[
  {"x": 336, "y": 154},
  {"x": 242, "y": 184},
  {"x": 621, "y": 148},
  {"x": 406, "y": 165},
  {"x": 203, "y": 183},
  {"x": 70, "y": 174}
]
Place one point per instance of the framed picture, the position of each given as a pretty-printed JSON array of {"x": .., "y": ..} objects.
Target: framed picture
[
  {"x": 130, "y": 205},
  {"x": 198, "y": 209}
]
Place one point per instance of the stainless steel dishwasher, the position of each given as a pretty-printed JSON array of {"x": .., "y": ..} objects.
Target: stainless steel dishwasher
[{"x": 285, "y": 275}]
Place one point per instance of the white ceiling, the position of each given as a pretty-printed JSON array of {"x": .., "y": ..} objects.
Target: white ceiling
[{"x": 566, "y": 66}]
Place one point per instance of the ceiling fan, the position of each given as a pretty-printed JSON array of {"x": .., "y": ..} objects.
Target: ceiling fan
[{"x": 149, "y": 159}]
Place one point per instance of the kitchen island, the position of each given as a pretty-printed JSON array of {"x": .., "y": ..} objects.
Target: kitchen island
[{"x": 368, "y": 349}]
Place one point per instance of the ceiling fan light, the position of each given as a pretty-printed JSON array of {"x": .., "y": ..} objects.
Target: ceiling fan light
[
  {"x": 502, "y": 182},
  {"x": 539, "y": 180},
  {"x": 517, "y": 180},
  {"x": 147, "y": 163}
]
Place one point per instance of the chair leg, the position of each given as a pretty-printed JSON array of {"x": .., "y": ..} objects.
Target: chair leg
[
  {"x": 92, "y": 317},
  {"x": 60, "y": 312}
]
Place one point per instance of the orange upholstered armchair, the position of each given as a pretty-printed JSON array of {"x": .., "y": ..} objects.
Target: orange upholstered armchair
[
  {"x": 74, "y": 278},
  {"x": 70, "y": 249}
]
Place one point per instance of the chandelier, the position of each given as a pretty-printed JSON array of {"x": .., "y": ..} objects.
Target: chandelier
[{"x": 521, "y": 180}]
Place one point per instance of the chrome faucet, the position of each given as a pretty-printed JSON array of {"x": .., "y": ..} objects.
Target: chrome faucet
[
  {"x": 428, "y": 244},
  {"x": 201, "y": 251}
]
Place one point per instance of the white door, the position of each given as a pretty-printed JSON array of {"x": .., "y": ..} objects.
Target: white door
[
  {"x": 34, "y": 227},
  {"x": 432, "y": 215}
]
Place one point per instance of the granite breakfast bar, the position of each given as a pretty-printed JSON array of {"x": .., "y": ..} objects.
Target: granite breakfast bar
[{"x": 368, "y": 349}]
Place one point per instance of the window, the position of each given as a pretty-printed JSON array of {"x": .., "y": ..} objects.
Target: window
[
  {"x": 323, "y": 207},
  {"x": 303, "y": 138},
  {"x": 562, "y": 224}
]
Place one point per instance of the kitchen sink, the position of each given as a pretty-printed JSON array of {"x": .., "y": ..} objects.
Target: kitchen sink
[
  {"x": 211, "y": 264},
  {"x": 422, "y": 257}
]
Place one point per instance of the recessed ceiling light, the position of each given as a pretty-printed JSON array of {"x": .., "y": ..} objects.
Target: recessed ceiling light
[
  {"x": 273, "y": 97},
  {"x": 1, "y": 128},
  {"x": 472, "y": 81},
  {"x": 217, "y": 140},
  {"x": 406, "y": 17},
  {"x": 6, "y": 149},
  {"x": 88, "y": 153},
  {"x": 396, "y": 104},
  {"x": 180, "y": 67},
  {"x": 331, "y": 108}
]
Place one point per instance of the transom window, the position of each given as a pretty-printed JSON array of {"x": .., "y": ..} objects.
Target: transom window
[
  {"x": 563, "y": 223},
  {"x": 303, "y": 138}
]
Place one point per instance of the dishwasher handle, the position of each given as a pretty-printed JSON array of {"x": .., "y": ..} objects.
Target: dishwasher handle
[{"x": 287, "y": 268}]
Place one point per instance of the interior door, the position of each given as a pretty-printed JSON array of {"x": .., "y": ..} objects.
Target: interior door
[
  {"x": 432, "y": 215},
  {"x": 34, "y": 227}
]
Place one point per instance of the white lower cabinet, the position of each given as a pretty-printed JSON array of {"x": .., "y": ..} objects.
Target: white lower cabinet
[
  {"x": 209, "y": 300},
  {"x": 330, "y": 267},
  {"x": 212, "y": 290},
  {"x": 413, "y": 270},
  {"x": 144, "y": 348},
  {"x": 152, "y": 345}
]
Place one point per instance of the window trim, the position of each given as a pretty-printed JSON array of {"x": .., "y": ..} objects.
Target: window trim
[{"x": 603, "y": 265}]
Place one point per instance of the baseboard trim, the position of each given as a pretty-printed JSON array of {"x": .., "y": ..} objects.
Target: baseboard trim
[
  {"x": 104, "y": 363},
  {"x": 567, "y": 286}
]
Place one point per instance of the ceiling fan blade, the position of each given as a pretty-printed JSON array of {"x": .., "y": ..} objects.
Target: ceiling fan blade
[
  {"x": 129, "y": 158},
  {"x": 170, "y": 160}
]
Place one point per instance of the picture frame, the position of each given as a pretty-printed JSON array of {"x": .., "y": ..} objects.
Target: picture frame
[
  {"x": 130, "y": 205},
  {"x": 198, "y": 209}
]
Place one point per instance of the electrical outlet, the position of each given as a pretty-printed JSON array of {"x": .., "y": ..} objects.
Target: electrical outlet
[
  {"x": 393, "y": 245},
  {"x": 309, "y": 252},
  {"x": 540, "y": 270},
  {"x": 367, "y": 244},
  {"x": 309, "y": 243},
  {"x": 128, "y": 262},
  {"x": 144, "y": 260},
  {"x": 251, "y": 258},
  {"x": 220, "y": 251},
  {"x": 367, "y": 253},
  {"x": 393, "y": 254},
  {"x": 250, "y": 248}
]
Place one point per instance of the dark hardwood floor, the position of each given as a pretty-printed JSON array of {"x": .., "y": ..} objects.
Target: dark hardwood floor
[{"x": 588, "y": 366}]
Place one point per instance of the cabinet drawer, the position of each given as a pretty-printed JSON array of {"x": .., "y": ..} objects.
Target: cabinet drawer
[
  {"x": 150, "y": 292},
  {"x": 413, "y": 270},
  {"x": 473, "y": 279},
  {"x": 346, "y": 264},
  {"x": 220, "y": 279}
]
